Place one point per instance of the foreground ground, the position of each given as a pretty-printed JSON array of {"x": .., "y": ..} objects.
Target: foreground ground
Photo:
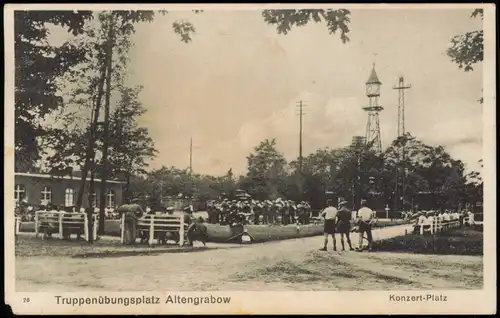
[{"x": 285, "y": 265}]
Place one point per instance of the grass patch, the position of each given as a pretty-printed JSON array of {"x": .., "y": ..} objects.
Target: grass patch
[
  {"x": 149, "y": 252},
  {"x": 29, "y": 246},
  {"x": 291, "y": 272},
  {"x": 33, "y": 247},
  {"x": 462, "y": 241},
  {"x": 323, "y": 271},
  {"x": 311, "y": 269}
]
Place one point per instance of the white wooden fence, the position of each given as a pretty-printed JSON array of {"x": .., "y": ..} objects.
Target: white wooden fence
[
  {"x": 438, "y": 226},
  {"x": 159, "y": 224},
  {"x": 65, "y": 222}
]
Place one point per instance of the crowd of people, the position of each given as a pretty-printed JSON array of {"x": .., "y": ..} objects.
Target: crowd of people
[
  {"x": 427, "y": 218},
  {"x": 26, "y": 212},
  {"x": 250, "y": 211}
]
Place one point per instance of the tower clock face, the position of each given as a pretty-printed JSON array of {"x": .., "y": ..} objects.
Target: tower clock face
[{"x": 373, "y": 89}]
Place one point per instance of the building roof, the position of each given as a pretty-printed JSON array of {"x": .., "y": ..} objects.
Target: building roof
[
  {"x": 48, "y": 176},
  {"x": 373, "y": 79}
]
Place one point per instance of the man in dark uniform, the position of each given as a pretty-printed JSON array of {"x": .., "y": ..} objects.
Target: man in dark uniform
[{"x": 344, "y": 224}]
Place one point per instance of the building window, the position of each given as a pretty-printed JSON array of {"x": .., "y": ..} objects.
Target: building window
[
  {"x": 93, "y": 199},
  {"x": 110, "y": 199},
  {"x": 69, "y": 197},
  {"x": 19, "y": 192},
  {"x": 46, "y": 195}
]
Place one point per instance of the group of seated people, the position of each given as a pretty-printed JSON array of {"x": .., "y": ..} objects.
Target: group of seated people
[
  {"x": 426, "y": 219},
  {"x": 26, "y": 212}
]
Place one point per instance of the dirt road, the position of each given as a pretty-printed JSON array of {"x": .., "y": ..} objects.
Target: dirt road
[{"x": 285, "y": 265}]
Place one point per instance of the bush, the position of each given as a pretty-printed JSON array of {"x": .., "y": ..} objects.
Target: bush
[{"x": 464, "y": 241}]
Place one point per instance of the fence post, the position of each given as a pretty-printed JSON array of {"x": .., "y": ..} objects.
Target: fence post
[
  {"x": 151, "y": 230},
  {"x": 61, "y": 215},
  {"x": 181, "y": 231},
  {"x": 18, "y": 225},
  {"x": 36, "y": 224},
  {"x": 122, "y": 232},
  {"x": 86, "y": 227},
  {"x": 95, "y": 224}
]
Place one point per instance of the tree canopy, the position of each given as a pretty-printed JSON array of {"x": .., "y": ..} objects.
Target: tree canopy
[
  {"x": 467, "y": 49},
  {"x": 433, "y": 178}
]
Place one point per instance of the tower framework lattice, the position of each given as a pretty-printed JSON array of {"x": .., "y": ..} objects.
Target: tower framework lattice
[
  {"x": 372, "y": 136},
  {"x": 400, "y": 186},
  {"x": 373, "y": 128}
]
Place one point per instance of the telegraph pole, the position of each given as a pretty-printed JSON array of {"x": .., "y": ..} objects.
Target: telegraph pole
[
  {"x": 301, "y": 113},
  {"x": 191, "y": 155},
  {"x": 401, "y": 106},
  {"x": 399, "y": 192}
]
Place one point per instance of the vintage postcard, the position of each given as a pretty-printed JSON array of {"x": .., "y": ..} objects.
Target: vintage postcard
[{"x": 250, "y": 159}]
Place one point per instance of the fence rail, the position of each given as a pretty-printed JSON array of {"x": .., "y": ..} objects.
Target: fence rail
[
  {"x": 438, "y": 226},
  {"x": 66, "y": 223},
  {"x": 159, "y": 224}
]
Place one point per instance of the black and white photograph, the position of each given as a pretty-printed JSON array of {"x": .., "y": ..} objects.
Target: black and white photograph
[{"x": 210, "y": 149}]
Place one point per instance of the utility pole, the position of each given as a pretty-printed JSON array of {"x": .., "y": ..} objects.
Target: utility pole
[
  {"x": 161, "y": 191},
  {"x": 401, "y": 106},
  {"x": 301, "y": 113},
  {"x": 102, "y": 194},
  {"x": 399, "y": 192},
  {"x": 191, "y": 155}
]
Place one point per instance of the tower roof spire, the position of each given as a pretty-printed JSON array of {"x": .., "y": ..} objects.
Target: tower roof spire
[{"x": 373, "y": 79}]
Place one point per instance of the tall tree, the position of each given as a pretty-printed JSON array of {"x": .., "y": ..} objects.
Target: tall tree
[
  {"x": 130, "y": 144},
  {"x": 266, "y": 169}
]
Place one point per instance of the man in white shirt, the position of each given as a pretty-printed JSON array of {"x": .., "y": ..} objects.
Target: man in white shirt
[
  {"x": 429, "y": 221},
  {"x": 329, "y": 214},
  {"x": 422, "y": 218},
  {"x": 366, "y": 217},
  {"x": 470, "y": 218},
  {"x": 446, "y": 217}
]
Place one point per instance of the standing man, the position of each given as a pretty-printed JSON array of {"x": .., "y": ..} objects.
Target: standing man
[
  {"x": 366, "y": 217},
  {"x": 344, "y": 224},
  {"x": 329, "y": 214},
  {"x": 131, "y": 213}
]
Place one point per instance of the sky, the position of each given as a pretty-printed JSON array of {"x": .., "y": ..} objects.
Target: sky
[{"x": 238, "y": 82}]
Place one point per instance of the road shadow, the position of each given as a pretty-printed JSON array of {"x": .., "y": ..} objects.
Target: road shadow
[{"x": 148, "y": 252}]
